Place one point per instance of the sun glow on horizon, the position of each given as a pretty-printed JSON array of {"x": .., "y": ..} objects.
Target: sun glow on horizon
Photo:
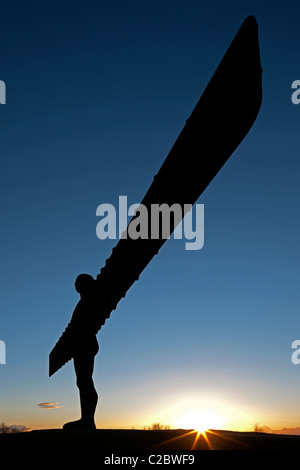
[{"x": 200, "y": 421}]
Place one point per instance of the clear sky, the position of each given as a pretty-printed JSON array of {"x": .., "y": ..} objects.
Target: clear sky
[{"x": 97, "y": 93}]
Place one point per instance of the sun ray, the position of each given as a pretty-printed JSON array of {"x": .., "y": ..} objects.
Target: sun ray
[
  {"x": 227, "y": 438},
  {"x": 206, "y": 439},
  {"x": 181, "y": 436},
  {"x": 196, "y": 439}
]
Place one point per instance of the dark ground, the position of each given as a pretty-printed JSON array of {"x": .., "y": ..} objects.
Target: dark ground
[{"x": 107, "y": 442}]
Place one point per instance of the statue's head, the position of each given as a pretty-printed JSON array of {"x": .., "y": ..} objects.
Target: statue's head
[{"x": 83, "y": 283}]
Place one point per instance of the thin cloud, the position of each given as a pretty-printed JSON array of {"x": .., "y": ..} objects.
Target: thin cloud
[{"x": 49, "y": 405}]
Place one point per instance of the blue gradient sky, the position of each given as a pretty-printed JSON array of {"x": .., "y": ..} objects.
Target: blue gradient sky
[{"x": 97, "y": 93}]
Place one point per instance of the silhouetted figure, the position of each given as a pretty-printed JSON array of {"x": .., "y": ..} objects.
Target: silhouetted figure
[
  {"x": 219, "y": 122},
  {"x": 84, "y": 346}
]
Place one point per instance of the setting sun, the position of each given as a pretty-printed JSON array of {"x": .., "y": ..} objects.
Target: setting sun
[{"x": 200, "y": 421}]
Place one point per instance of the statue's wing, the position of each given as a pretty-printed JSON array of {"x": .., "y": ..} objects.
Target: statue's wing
[{"x": 220, "y": 121}]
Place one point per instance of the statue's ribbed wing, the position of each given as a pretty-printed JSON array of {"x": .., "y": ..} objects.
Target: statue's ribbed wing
[{"x": 220, "y": 121}]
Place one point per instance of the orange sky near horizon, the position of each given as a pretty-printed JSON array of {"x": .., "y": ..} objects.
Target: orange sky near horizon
[{"x": 189, "y": 413}]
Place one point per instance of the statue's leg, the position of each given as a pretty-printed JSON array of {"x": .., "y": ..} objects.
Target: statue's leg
[
  {"x": 88, "y": 395},
  {"x": 84, "y": 367}
]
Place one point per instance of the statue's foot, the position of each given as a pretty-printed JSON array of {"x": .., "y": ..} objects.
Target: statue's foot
[{"x": 80, "y": 424}]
